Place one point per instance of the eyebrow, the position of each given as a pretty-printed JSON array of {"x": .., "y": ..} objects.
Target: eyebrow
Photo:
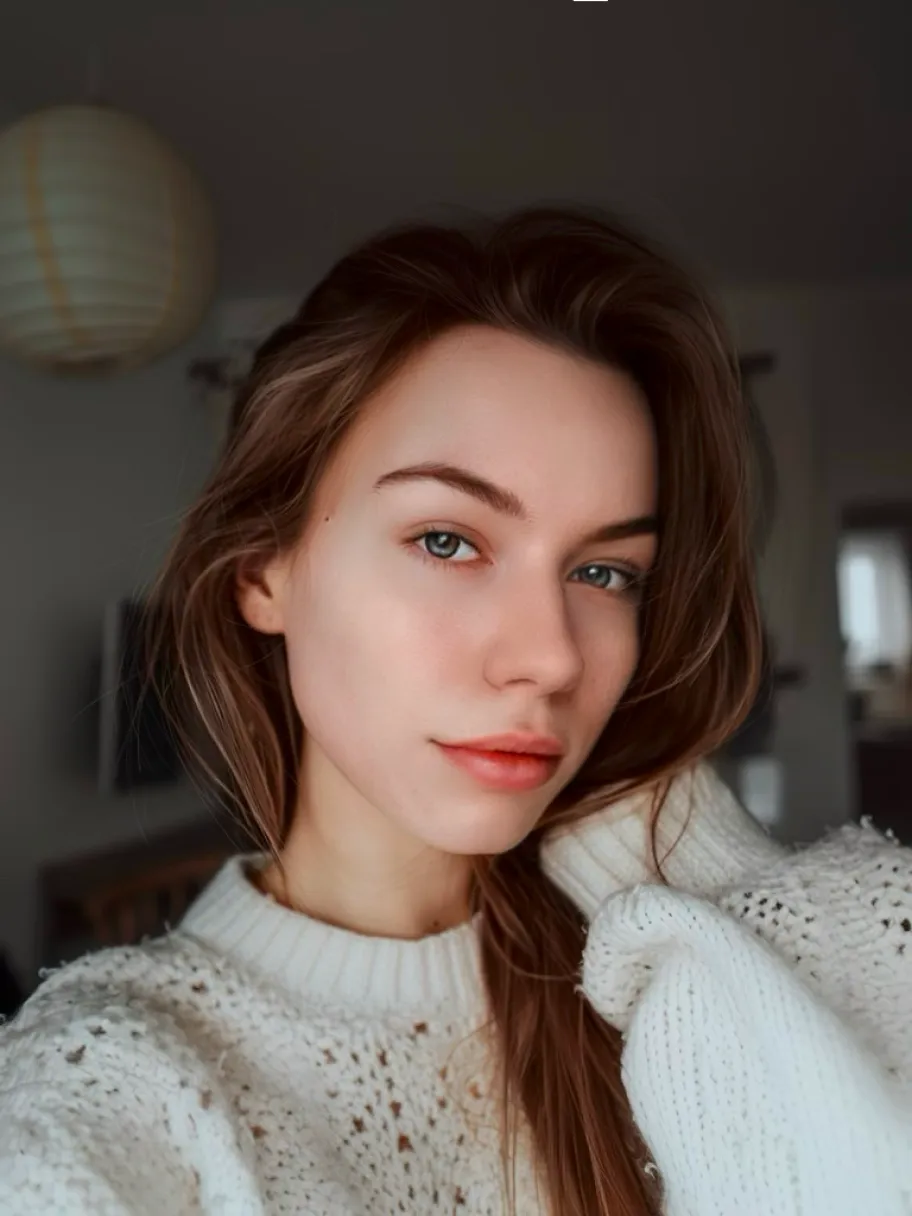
[{"x": 505, "y": 502}]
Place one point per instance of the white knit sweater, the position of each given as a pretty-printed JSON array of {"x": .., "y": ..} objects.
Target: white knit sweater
[{"x": 257, "y": 1062}]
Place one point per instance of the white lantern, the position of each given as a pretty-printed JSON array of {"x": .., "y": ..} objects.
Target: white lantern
[{"x": 107, "y": 241}]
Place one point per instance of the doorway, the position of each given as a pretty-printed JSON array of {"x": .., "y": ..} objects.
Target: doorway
[{"x": 874, "y": 577}]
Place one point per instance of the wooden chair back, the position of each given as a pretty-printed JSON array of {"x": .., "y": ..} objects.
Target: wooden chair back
[{"x": 148, "y": 902}]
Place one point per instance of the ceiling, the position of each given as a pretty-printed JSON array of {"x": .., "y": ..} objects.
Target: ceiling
[{"x": 769, "y": 140}]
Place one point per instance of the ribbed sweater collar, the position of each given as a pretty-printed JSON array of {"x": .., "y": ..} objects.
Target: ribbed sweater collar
[{"x": 718, "y": 841}]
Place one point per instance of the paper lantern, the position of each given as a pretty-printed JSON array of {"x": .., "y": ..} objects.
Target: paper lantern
[{"x": 107, "y": 241}]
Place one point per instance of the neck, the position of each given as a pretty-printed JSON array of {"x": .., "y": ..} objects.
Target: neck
[{"x": 359, "y": 872}]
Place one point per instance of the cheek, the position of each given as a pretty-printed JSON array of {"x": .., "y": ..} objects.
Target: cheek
[
  {"x": 359, "y": 651},
  {"x": 611, "y": 653}
]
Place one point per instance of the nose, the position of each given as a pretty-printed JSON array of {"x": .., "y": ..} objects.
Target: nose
[{"x": 533, "y": 642}]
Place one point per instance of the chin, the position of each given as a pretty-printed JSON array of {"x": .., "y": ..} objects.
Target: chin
[{"x": 476, "y": 836}]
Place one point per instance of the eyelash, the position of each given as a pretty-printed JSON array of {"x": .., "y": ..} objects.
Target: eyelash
[{"x": 635, "y": 578}]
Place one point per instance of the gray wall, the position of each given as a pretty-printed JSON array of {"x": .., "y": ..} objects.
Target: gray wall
[
  {"x": 93, "y": 476},
  {"x": 839, "y": 410},
  {"x": 860, "y": 343}
]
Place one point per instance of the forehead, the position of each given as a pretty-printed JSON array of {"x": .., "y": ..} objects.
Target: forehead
[{"x": 552, "y": 426}]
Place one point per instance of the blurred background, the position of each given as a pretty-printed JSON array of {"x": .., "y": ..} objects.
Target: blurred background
[{"x": 174, "y": 177}]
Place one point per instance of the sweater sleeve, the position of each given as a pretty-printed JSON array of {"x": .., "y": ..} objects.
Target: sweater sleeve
[
  {"x": 754, "y": 1094},
  {"x": 840, "y": 913},
  {"x": 106, "y": 1158},
  {"x": 105, "y": 1111},
  {"x": 704, "y": 840}
]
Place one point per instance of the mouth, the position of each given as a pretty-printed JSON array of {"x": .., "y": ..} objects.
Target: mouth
[
  {"x": 514, "y": 742},
  {"x": 503, "y": 769}
]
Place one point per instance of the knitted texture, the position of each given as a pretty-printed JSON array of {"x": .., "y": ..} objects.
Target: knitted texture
[
  {"x": 796, "y": 1114},
  {"x": 256, "y": 1063},
  {"x": 167, "y": 1080}
]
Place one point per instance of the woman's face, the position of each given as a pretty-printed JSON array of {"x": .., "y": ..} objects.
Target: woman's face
[{"x": 421, "y": 610}]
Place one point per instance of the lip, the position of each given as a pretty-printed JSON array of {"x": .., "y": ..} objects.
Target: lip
[
  {"x": 513, "y": 741},
  {"x": 513, "y": 771}
]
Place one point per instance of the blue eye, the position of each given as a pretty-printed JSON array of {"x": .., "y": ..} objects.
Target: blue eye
[
  {"x": 627, "y": 579},
  {"x": 440, "y": 544}
]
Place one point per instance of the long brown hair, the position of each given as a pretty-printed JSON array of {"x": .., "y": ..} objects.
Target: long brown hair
[{"x": 593, "y": 288}]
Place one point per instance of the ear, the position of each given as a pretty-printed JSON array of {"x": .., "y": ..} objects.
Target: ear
[{"x": 260, "y": 591}]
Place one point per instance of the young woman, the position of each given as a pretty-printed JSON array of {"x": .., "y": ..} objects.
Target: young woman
[{"x": 464, "y": 606}]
